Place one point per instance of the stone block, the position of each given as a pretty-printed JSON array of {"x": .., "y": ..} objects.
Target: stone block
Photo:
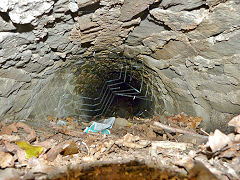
[
  {"x": 154, "y": 63},
  {"x": 175, "y": 49},
  {"x": 23, "y": 12},
  {"x": 84, "y": 3},
  {"x": 133, "y": 51},
  {"x": 8, "y": 86},
  {"x": 85, "y": 22},
  {"x": 221, "y": 19},
  {"x": 223, "y": 48},
  {"x": 5, "y": 104},
  {"x": 6, "y": 25},
  {"x": 177, "y": 21},
  {"x": 144, "y": 30},
  {"x": 132, "y": 8},
  {"x": 20, "y": 101},
  {"x": 181, "y": 5},
  {"x": 15, "y": 74}
]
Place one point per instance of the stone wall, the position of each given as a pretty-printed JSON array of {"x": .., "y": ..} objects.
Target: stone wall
[{"x": 192, "y": 47}]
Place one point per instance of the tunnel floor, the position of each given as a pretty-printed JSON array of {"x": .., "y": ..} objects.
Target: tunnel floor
[{"x": 136, "y": 148}]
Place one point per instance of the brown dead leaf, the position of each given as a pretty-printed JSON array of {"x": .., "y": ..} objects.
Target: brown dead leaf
[
  {"x": 32, "y": 134},
  {"x": 229, "y": 153},
  {"x": 16, "y": 150},
  {"x": 70, "y": 119},
  {"x": 9, "y": 174},
  {"x": 69, "y": 132},
  {"x": 218, "y": 140},
  {"x": 133, "y": 145},
  {"x": 51, "y": 118},
  {"x": 178, "y": 117},
  {"x": 8, "y": 130},
  {"x": 133, "y": 142},
  {"x": 71, "y": 149},
  {"x": 237, "y": 138},
  {"x": 200, "y": 172},
  {"x": 10, "y": 138},
  {"x": 181, "y": 120},
  {"x": 193, "y": 122},
  {"x": 46, "y": 144},
  {"x": 6, "y": 160},
  {"x": 130, "y": 138},
  {"x": 39, "y": 165},
  {"x": 52, "y": 153},
  {"x": 235, "y": 122}
]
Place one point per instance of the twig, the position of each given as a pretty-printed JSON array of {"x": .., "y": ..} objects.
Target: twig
[
  {"x": 69, "y": 132},
  {"x": 85, "y": 144},
  {"x": 163, "y": 126},
  {"x": 204, "y": 132}
]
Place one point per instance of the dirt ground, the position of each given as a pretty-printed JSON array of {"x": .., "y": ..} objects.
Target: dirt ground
[{"x": 156, "y": 148}]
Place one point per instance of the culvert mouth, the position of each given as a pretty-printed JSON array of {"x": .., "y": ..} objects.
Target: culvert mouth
[
  {"x": 96, "y": 87},
  {"x": 114, "y": 88}
]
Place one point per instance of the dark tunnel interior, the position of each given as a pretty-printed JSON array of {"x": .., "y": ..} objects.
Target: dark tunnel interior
[{"x": 113, "y": 87}]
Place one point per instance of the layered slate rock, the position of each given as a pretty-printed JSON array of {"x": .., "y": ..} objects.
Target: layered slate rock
[
  {"x": 177, "y": 21},
  {"x": 23, "y": 12}
]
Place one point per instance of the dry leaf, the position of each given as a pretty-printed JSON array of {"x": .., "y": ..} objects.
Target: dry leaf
[
  {"x": 46, "y": 144},
  {"x": 71, "y": 149},
  {"x": 130, "y": 138},
  {"x": 6, "y": 160},
  {"x": 237, "y": 138},
  {"x": 193, "y": 122},
  {"x": 70, "y": 119},
  {"x": 31, "y": 151},
  {"x": 9, "y": 174},
  {"x": 51, "y": 118},
  {"x": 133, "y": 142},
  {"x": 200, "y": 172},
  {"x": 14, "y": 128},
  {"x": 218, "y": 140},
  {"x": 52, "y": 153},
  {"x": 184, "y": 121},
  {"x": 39, "y": 165},
  {"x": 9, "y": 129},
  {"x": 17, "y": 150},
  {"x": 32, "y": 134},
  {"x": 235, "y": 122},
  {"x": 70, "y": 132},
  {"x": 10, "y": 138}
]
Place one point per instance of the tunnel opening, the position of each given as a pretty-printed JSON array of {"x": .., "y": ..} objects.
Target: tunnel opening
[
  {"x": 113, "y": 87},
  {"x": 92, "y": 88}
]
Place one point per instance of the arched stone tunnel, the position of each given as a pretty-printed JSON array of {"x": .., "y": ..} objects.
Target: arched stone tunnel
[
  {"x": 54, "y": 53},
  {"x": 93, "y": 87}
]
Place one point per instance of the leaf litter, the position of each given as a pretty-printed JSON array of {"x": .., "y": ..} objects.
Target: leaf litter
[{"x": 174, "y": 146}]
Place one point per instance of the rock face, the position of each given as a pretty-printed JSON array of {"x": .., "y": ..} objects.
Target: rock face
[{"x": 191, "y": 47}]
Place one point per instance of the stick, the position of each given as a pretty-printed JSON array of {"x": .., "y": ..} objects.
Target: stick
[{"x": 163, "y": 126}]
